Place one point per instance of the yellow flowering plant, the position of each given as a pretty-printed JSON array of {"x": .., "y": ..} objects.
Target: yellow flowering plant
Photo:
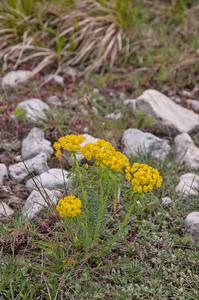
[{"x": 95, "y": 183}]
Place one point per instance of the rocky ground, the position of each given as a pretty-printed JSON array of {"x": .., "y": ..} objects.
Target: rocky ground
[{"x": 35, "y": 114}]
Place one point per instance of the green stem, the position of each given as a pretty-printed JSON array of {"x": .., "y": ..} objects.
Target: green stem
[
  {"x": 71, "y": 232},
  {"x": 82, "y": 188},
  {"x": 122, "y": 226},
  {"x": 102, "y": 205},
  {"x": 85, "y": 228}
]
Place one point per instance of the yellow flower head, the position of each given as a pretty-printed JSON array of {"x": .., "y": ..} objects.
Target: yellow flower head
[
  {"x": 105, "y": 153},
  {"x": 145, "y": 178},
  {"x": 69, "y": 206},
  {"x": 69, "y": 142}
]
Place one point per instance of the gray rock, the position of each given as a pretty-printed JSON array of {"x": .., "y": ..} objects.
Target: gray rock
[
  {"x": 186, "y": 93},
  {"x": 135, "y": 140},
  {"x": 175, "y": 98},
  {"x": 85, "y": 130},
  {"x": 194, "y": 103},
  {"x": 3, "y": 173},
  {"x": 12, "y": 77},
  {"x": 188, "y": 185},
  {"x": 57, "y": 78},
  {"x": 186, "y": 151},
  {"x": 131, "y": 102},
  {"x": 169, "y": 117},
  {"x": 114, "y": 116},
  {"x": 192, "y": 226},
  {"x": 34, "y": 109},
  {"x": 35, "y": 143},
  {"x": 36, "y": 165},
  {"x": 54, "y": 100},
  {"x": 53, "y": 178},
  {"x": 96, "y": 91},
  {"x": 35, "y": 203},
  {"x": 18, "y": 158},
  {"x": 5, "y": 211}
]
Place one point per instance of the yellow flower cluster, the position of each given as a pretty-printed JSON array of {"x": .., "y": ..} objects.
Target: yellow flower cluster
[
  {"x": 69, "y": 206},
  {"x": 69, "y": 142},
  {"x": 104, "y": 152},
  {"x": 144, "y": 177}
]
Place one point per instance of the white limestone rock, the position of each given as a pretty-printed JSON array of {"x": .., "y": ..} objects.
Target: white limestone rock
[
  {"x": 35, "y": 203},
  {"x": 96, "y": 91},
  {"x": 3, "y": 173},
  {"x": 52, "y": 179},
  {"x": 86, "y": 130},
  {"x": 5, "y": 211},
  {"x": 57, "y": 78},
  {"x": 35, "y": 143},
  {"x": 114, "y": 116},
  {"x": 132, "y": 103},
  {"x": 18, "y": 158},
  {"x": 186, "y": 93},
  {"x": 54, "y": 100},
  {"x": 168, "y": 116},
  {"x": 135, "y": 140},
  {"x": 36, "y": 165},
  {"x": 34, "y": 109},
  {"x": 186, "y": 151},
  {"x": 193, "y": 103},
  {"x": 11, "y": 78},
  {"x": 188, "y": 185},
  {"x": 175, "y": 98},
  {"x": 192, "y": 226}
]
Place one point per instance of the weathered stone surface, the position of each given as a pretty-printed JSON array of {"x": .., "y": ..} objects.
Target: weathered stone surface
[
  {"x": 35, "y": 203},
  {"x": 5, "y": 211},
  {"x": 54, "y": 100},
  {"x": 18, "y": 158},
  {"x": 194, "y": 103},
  {"x": 177, "y": 99},
  {"x": 35, "y": 143},
  {"x": 34, "y": 109},
  {"x": 86, "y": 130},
  {"x": 12, "y": 77},
  {"x": 114, "y": 116},
  {"x": 57, "y": 78},
  {"x": 3, "y": 173},
  {"x": 189, "y": 184},
  {"x": 135, "y": 140},
  {"x": 36, "y": 165},
  {"x": 192, "y": 226},
  {"x": 168, "y": 116},
  {"x": 53, "y": 178},
  {"x": 186, "y": 151},
  {"x": 186, "y": 93}
]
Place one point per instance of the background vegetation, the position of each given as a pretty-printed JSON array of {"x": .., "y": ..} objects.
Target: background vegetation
[{"x": 121, "y": 48}]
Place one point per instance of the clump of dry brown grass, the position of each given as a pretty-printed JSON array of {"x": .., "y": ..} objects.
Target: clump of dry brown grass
[
  {"x": 89, "y": 33},
  {"x": 99, "y": 34}
]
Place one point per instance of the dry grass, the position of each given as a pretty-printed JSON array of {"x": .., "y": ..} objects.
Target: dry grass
[
  {"x": 97, "y": 35},
  {"x": 92, "y": 34}
]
